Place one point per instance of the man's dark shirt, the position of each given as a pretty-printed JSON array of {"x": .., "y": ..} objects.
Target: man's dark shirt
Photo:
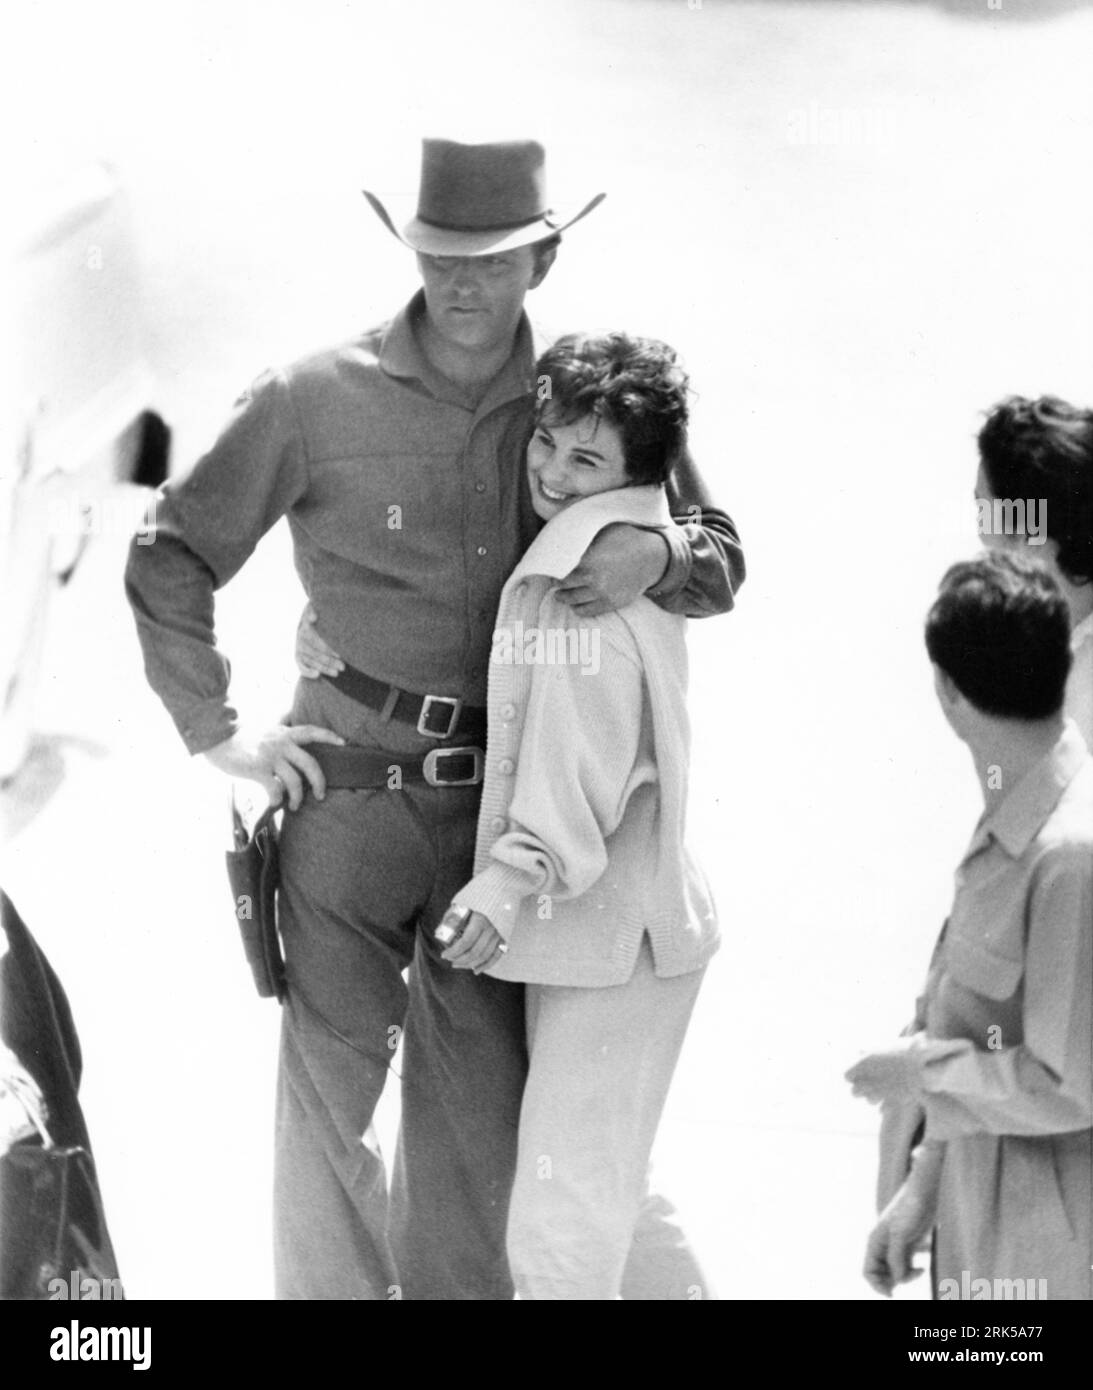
[{"x": 409, "y": 507}]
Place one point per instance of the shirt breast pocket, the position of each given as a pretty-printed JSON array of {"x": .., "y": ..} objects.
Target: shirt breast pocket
[
  {"x": 981, "y": 970},
  {"x": 406, "y": 506}
]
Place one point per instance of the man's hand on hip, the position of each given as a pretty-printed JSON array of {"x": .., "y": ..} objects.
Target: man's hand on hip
[
  {"x": 620, "y": 565},
  {"x": 276, "y": 760}
]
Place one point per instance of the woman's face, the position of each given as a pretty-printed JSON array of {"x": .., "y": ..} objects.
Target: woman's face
[{"x": 567, "y": 462}]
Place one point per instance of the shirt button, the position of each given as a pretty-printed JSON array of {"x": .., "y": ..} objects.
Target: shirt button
[
  {"x": 508, "y": 711},
  {"x": 506, "y": 766},
  {"x": 498, "y": 823},
  {"x": 482, "y": 550},
  {"x": 480, "y": 487}
]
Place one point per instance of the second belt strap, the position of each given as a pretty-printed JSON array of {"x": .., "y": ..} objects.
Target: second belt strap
[{"x": 352, "y": 768}]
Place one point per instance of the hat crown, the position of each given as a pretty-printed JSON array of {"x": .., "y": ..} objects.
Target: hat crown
[{"x": 479, "y": 188}]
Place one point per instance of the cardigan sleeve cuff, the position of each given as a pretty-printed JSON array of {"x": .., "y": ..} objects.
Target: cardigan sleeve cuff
[{"x": 497, "y": 893}]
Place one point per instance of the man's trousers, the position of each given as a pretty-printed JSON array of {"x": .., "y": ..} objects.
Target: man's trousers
[{"x": 365, "y": 878}]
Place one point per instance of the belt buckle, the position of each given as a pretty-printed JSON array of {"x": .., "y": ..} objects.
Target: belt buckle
[
  {"x": 426, "y": 710},
  {"x": 432, "y": 758}
]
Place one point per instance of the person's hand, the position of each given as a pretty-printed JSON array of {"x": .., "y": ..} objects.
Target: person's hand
[
  {"x": 478, "y": 946},
  {"x": 891, "y": 1075},
  {"x": 617, "y": 568},
  {"x": 15, "y": 1123},
  {"x": 314, "y": 656},
  {"x": 902, "y": 1230},
  {"x": 276, "y": 760}
]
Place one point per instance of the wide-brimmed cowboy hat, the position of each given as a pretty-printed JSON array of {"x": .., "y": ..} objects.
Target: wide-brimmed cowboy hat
[{"x": 476, "y": 200}]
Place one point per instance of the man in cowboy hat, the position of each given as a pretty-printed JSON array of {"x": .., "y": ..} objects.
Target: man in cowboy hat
[{"x": 397, "y": 461}]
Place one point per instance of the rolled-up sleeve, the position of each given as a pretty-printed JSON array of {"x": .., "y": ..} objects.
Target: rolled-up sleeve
[
  {"x": 706, "y": 560},
  {"x": 1044, "y": 1084},
  {"x": 201, "y": 529}
]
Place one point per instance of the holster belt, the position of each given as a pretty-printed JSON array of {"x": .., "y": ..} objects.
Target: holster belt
[
  {"x": 351, "y": 768},
  {"x": 436, "y": 716}
]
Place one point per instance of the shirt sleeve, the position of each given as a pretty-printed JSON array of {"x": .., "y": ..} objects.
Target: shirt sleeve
[
  {"x": 706, "y": 561},
  {"x": 578, "y": 764},
  {"x": 1044, "y": 1084},
  {"x": 201, "y": 529}
]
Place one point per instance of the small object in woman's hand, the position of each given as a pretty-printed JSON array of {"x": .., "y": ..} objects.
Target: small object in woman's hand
[{"x": 452, "y": 924}]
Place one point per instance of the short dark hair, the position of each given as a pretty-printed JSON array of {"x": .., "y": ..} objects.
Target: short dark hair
[
  {"x": 1043, "y": 448},
  {"x": 1000, "y": 628},
  {"x": 635, "y": 384}
]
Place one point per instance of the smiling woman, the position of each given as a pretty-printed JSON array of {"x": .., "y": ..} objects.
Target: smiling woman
[
  {"x": 582, "y": 826},
  {"x": 574, "y": 460},
  {"x": 613, "y": 414}
]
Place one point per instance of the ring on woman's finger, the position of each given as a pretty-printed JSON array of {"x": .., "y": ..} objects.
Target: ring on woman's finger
[
  {"x": 502, "y": 947},
  {"x": 280, "y": 786}
]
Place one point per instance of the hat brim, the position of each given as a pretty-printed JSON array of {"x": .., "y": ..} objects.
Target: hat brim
[{"x": 441, "y": 241}]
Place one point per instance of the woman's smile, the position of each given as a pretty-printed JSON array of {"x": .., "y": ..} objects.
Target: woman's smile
[{"x": 585, "y": 456}]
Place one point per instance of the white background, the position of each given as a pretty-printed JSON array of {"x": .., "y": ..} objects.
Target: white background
[{"x": 861, "y": 224}]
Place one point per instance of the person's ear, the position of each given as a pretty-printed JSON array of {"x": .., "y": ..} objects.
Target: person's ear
[
  {"x": 948, "y": 693},
  {"x": 948, "y": 698},
  {"x": 543, "y": 261}
]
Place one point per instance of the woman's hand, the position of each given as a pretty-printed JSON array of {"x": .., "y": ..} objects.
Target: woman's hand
[
  {"x": 478, "y": 946},
  {"x": 315, "y": 657}
]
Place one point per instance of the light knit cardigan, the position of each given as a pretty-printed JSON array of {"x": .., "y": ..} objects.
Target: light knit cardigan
[{"x": 580, "y": 850}]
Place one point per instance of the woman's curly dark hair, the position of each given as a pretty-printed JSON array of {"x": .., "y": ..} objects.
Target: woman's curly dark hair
[
  {"x": 635, "y": 384},
  {"x": 1044, "y": 449}
]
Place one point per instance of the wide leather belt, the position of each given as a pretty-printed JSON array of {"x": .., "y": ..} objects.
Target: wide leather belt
[
  {"x": 436, "y": 716},
  {"x": 352, "y": 768}
]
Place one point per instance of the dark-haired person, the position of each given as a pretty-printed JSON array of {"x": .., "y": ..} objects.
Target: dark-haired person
[
  {"x": 1040, "y": 452},
  {"x": 1034, "y": 489},
  {"x": 396, "y": 459},
  {"x": 584, "y": 890},
  {"x": 1001, "y": 1063}
]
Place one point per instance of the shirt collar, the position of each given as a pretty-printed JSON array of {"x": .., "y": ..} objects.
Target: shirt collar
[
  {"x": 1018, "y": 818},
  {"x": 564, "y": 539},
  {"x": 401, "y": 355}
]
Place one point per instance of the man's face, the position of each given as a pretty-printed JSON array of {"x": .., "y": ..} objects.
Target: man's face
[{"x": 474, "y": 302}]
